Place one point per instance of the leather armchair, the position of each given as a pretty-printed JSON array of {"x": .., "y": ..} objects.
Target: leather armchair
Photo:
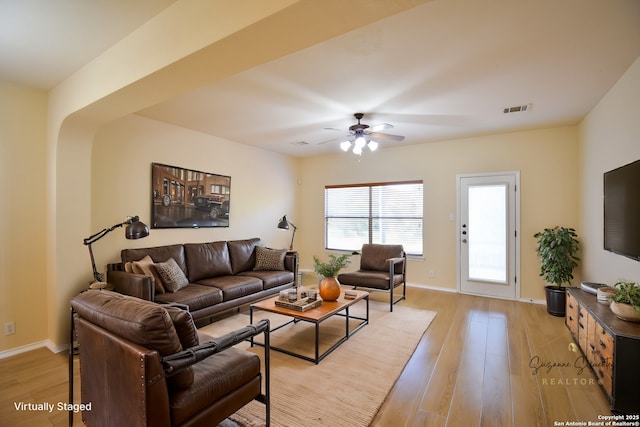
[
  {"x": 144, "y": 364},
  {"x": 382, "y": 267}
]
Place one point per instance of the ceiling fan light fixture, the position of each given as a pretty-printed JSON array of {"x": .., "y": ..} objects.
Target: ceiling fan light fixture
[
  {"x": 345, "y": 145},
  {"x": 360, "y": 142},
  {"x": 373, "y": 146}
]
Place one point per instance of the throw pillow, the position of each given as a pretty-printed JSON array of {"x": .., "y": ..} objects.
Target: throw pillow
[
  {"x": 145, "y": 266},
  {"x": 269, "y": 259},
  {"x": 128, "y": 267},
  {"x": 173, "y": 277}
]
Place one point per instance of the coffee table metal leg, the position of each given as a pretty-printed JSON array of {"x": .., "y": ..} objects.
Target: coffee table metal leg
[
  {"x": 346, "y": 332},
  {"x": 251, "y": 321},
  {"x": 317, "y": 342}
]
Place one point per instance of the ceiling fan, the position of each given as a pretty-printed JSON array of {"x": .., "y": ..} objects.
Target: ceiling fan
[{"x": 362, "y": 135}]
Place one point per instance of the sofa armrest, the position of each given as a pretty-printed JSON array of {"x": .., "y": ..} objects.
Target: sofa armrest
[
  {"x": 174, "y": 363},
  {"x": 291, "y": 262},
  {"x": 136, "y": 285}
]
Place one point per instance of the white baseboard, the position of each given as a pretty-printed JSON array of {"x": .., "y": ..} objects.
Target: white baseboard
[
  {"x": 22, "y": 349},
  {"x": 455, "y": 291},
  {"x": 29, "y": 347},
  {"x": 432, "y": 288}
]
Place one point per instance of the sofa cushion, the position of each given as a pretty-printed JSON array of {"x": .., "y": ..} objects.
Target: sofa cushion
[
  {"x": 184, "y": 325},
  {"x": 157, "y": 254},
  {"x": 233, "y": 287},
  {"x": 173, "y": 278},
  {"x": 271, "y": 279},
  {"x": 139, "y": 321},
  {"x": 243, "y": 254},
  {"x": 194, "y": 296},
  {"x": 216, "y": 377},
  {"x": 206, "y": 260},
  {"x": 269, "y": 259}
]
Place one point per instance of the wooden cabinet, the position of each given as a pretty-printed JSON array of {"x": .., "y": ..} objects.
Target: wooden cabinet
[{"x": 611, "y": 346}]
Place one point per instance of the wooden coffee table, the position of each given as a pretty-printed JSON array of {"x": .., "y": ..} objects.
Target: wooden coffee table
[{"x": 316, "y": 316}]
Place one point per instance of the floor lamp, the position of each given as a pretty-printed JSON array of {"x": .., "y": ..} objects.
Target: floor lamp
[
  {"x": 284, "y": 225},
  {"x": 134, "y": 230}
]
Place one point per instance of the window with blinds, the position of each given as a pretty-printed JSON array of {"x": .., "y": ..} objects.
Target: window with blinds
[{"x": 388, "y": 213}]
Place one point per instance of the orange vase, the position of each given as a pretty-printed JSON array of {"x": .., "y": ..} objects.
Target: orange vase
[{"x": 329, "y": 289}]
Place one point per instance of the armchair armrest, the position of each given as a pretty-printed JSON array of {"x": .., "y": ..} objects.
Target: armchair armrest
[
  {"x": 396, "y": 265},
  {"x": 174, "y": 363}
]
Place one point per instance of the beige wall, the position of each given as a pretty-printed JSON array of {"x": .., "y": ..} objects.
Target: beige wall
[
  {"x": 22, "y": 214},
  {"x": 262, "y": 184},
  {"x": 546, "y": 159},
  {"x": 178, "y": 50},
  {"x": 610, "y": 137}
]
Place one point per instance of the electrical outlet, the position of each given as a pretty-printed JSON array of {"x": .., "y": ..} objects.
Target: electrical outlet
[
  {"x": 432, "y": 274},
  {"x": 9, "y": 328}
]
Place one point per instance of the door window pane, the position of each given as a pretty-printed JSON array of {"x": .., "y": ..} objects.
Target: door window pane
[{"x": 488, "y": 233}]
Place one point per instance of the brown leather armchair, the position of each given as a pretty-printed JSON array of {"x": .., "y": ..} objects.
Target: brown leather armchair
[
  {"x": 144, "y": 364},
  {"x": 382, "y": 267}
]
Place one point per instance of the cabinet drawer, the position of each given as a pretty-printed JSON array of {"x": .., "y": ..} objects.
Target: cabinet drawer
[
  {"x": 603, "y": 357},
  {"x": 572, "y": 314},
  {"x": 591, "y": 350},
  {"x": 582, "y": 329}
]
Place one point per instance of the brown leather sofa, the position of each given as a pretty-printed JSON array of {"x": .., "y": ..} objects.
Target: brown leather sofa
[
  {"x": 382, "y": 267},
  {"x": 144, "y": 364},
  {"x": 221, "y": 275}
]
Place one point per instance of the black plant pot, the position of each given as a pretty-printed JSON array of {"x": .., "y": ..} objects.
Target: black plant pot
[{"x": 556, "y": 300}]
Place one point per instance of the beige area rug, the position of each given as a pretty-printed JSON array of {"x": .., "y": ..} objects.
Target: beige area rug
[{"x": 346, "y": 388}]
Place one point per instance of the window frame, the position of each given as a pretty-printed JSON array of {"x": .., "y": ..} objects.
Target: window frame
[{"x": 371, "y": 218}]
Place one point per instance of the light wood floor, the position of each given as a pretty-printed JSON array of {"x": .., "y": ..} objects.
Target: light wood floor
[{"x": 471, "y": 368}]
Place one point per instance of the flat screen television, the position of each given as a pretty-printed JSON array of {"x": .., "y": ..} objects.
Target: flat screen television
[{"x": 622, "y": 210}]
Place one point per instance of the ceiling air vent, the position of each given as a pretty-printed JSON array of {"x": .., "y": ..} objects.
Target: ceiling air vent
[{"x": 517, "y": 109}]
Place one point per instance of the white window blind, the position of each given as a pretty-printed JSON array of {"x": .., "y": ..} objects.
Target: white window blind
[{"x": 389, "y": 213}]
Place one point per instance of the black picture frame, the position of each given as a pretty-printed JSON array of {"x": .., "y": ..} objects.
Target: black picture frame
[{"x": 187, "y": 198}]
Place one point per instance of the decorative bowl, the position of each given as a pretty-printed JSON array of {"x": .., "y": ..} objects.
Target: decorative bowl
[{"x": 625, "y": 311}]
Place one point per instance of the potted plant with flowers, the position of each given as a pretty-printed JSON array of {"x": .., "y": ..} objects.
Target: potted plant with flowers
[
  {"x": 558, "y": 252},
  {"x": 329, "y": 288}
]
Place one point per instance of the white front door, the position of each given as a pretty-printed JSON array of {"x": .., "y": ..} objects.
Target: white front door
[{"x": 488, "y": 242}]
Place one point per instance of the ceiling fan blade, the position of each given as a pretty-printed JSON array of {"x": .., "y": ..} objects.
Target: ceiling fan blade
[
  {"x": 386, "y": 137},
  {"x": 332, "y": 140},
  {"x": 381, "y": 126}
]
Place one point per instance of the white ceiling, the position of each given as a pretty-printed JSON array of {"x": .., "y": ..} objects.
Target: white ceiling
[
  {"x": 443, "y": 70},
  {"x": 42, "y": 42}
]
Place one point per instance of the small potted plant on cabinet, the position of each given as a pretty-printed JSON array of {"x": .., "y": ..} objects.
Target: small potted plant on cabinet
[
  {"x": 558, "y": 252},
  {"x": 625, "y": 303},
  {"x": 329, "y": 288}
]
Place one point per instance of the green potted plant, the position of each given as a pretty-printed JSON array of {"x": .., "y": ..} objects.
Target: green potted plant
[
  {"x": 625, "y": 303},
  {"x": 329, "y": 288},
  {"x": 558, "y": 252}
]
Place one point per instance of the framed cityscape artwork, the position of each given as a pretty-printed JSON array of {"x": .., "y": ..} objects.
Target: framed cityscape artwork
[{"x": 186, "y": 198}]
